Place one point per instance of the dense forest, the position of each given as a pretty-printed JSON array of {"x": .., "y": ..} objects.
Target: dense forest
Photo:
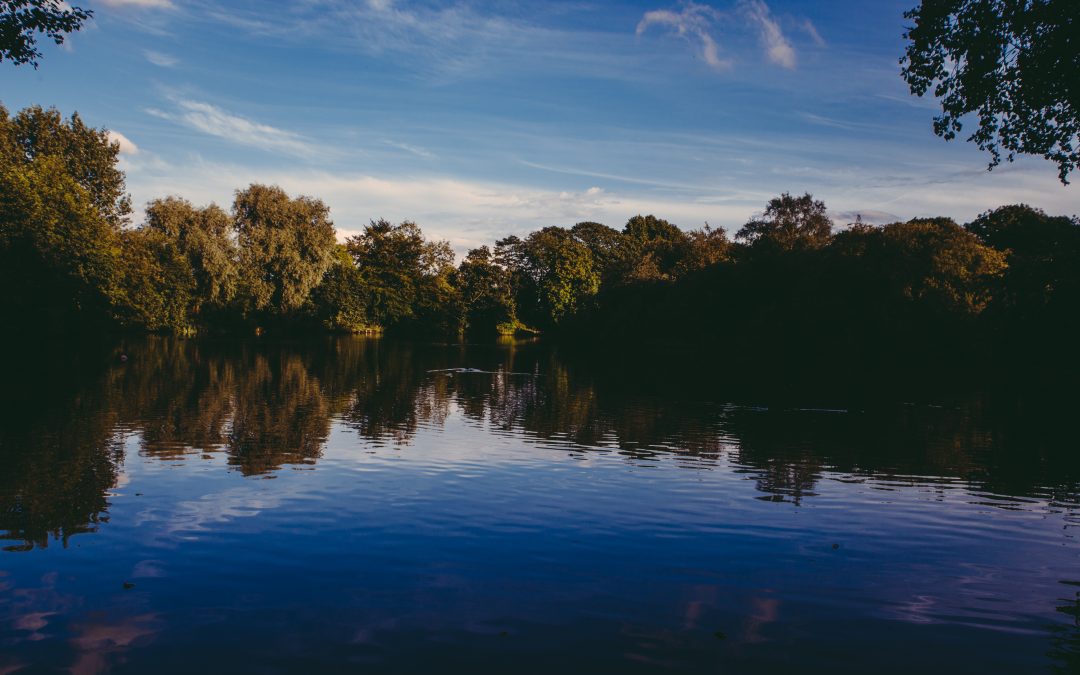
[{"x": 789, "y": 289}]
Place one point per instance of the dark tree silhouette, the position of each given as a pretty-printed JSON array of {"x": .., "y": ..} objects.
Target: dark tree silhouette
[
  {"x": 1011, "y": 63},
  {"x": 22, "y": 20}
]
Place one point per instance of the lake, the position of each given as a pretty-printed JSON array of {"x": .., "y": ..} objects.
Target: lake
[{"x": 368, "y": 505}]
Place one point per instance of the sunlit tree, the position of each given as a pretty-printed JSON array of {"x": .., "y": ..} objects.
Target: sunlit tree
[
  {"x": 788, "y": 224},
  {"x": 286, "y": 245}
]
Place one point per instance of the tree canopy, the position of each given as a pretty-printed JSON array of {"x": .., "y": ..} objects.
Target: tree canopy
[
  {"x": 787, "y": 294},
  {"x": 22, "y": 21},
  {"x": 788, "y": 224},
  {"x": 1012, "y": 64},
  {"x": 286, "y": 245},
  {"x": 88, "y": 155},
  {"x": 62, "y": 203}
]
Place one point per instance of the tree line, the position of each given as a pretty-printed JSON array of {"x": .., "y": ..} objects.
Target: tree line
[{"x": 787, "y": 287}]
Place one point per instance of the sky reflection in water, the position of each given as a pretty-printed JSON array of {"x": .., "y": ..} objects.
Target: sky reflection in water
[{"x": 340, "y": 506}]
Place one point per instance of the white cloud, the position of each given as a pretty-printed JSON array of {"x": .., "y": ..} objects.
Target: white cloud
[
  {"x": 691, "y": 23},
  {"x": 444, "y": 41},
  {"x": 159, "y": 59},
  {"x": 777, "y": 48},
  {"x": 695, "y": 22},
  {"x": 151, "y": 4},
  {"x": 411, "y": 149},
  {"x": 126, "y": 146},
  {"x": 842, "y": 219},
  {"x": 468, "y": 213},
  {"x": 212, "y": 120},
  {"x": 808, "y": 27}
]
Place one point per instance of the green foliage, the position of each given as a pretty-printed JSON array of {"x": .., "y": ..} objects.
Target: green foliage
[
  {"x": 704, "y": 248},
  {"x": 62, "y": 203},
  {"x": 339, "y": 301},
  {"x": 932, "y": 263},
  {"x": 1037, "y": 306},
  {"x": 180, "y": 267},
  {"x": 789, "y": 293},
  {"x": 399, "y": 270},
  {"x": 612, "y": 254},
  {"x": 22, "y": 20},
  {"x": 59, "y": 258},
  {"x": 202, "y": 236},
  {"x": 569, "y": 280},
  {"x": 486, "y": 292},
  {"x": 285, "y": 248},
  {"x": 1010, "y": 63},
  {"x": 553, "y": 274},
  {"x": 655, "y": 247},
  {"x": 88, "y": 156},
  {"x": 159, "y": 283},
  {"x": 788, "y": 224}
]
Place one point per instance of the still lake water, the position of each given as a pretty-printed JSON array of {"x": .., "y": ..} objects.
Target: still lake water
[{"x": 353, "y": 505}]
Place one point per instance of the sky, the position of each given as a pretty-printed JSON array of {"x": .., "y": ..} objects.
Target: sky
[{"x": 481, "y": 119}]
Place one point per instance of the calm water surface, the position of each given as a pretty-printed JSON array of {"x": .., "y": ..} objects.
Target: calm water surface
[{"x": 361, "y": 505}]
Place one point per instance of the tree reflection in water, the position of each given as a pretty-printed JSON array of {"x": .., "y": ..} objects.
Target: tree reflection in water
[
  {"x": 257, "y": 407},
  {"x": 268, "y": 405}
]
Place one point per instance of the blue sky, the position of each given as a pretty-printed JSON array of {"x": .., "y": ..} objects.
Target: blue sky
[{"x": 481, "y": 119}]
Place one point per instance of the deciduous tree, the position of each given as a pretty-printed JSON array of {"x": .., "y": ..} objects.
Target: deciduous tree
[
  {"x": 22, "y": 21},
  {"x": 788, "y": 224},
  {"x": 286, "y": 245},
  {"x": 1010, "y": 64}
]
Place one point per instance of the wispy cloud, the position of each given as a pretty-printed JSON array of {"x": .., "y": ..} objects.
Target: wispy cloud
[
  {"x": 447, "y": 39},
  {"x": 866, "y": 216},
  {"x": 692, "y": 22},
  {"x": 443, "y": 41},
  {"x": 161, "y": 60},
  {"x": 808, "y": 27},
  {"x": 697, "y": 23},
  {"x": 777, "y": 47},
  {"x": 145, "y": 4},
  {"x": 411, "y": 149},
  {"x": 212, "y": 120}
]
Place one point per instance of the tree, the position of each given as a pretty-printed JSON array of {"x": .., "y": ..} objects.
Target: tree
[
  {"x": 439, "y": 306},
  {"x": 936, "y": 264},
  {"x": 63, "y": 204},
  {"x": 1041, "y": 289},
  {"x": 487, "y": 293},
  {"x": 789, "y": 224},
  {"x": 611, "y": 250},
  {"x": 705, "y": 248},
  {"x": 158, "y": 281},
  {"x": 655, "y": 248},
  {"x": 556, "y": 271},
  {"x": 202, "y": 236},
  {"x": 398, "y": 267},
  {"x": 59, "y": 258},
  {"x": 340, "y": 301},
  {"x": 285, "y": 247},
  {"x": 1011, "y": 63},
  {"x": 180, "y": 266},
  {"x": 22, "y": 20},
  {"x": 88, "y": 155}
]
